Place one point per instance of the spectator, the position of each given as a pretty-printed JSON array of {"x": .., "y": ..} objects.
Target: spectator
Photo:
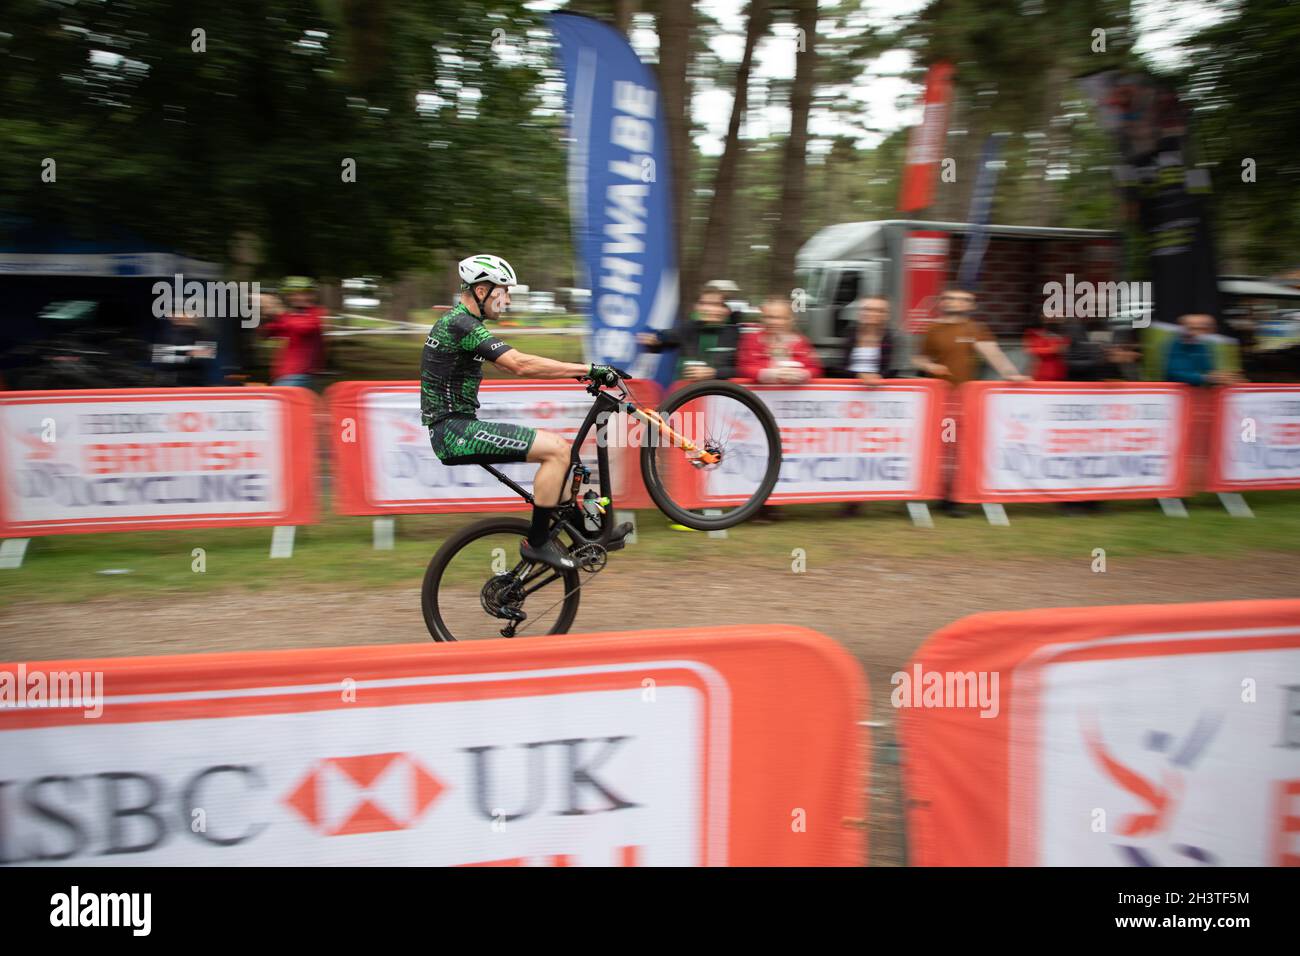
[
  {"x": 868, "y": 354},
  {"x": 1099, "y": 356},
  {"x": 1189, "y": 358},
  {"x": 1047, "y": 345},
  {"x": 730, "y": 296},
  {"x": 869, "y": 349},
  {"x": 183, "y": 351},
  {"x": 948, "y": 351},
  {"x": 269, "y": 307},
  {"x": 706, "y": 344},
  {"x": 951, "y": 343},
  {"x": 777, "y": 353},
  {"x": 301, "y": 325}
]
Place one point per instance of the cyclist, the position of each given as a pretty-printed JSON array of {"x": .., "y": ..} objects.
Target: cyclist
[{"x": 450, "y": 373}]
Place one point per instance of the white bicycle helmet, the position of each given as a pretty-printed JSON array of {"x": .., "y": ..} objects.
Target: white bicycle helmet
[{"x": 487, "y": 268}]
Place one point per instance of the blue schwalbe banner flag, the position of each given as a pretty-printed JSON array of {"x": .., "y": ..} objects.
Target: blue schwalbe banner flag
[
  {"x": 620, "y": 194},
  {"x": 981, "y": 207}
]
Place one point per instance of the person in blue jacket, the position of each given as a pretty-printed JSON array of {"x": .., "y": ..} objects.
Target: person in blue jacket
[{"x": 1190, "y": 357}]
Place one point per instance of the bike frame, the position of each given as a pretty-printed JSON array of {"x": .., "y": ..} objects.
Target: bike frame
[{"x": 606, "y": 404}]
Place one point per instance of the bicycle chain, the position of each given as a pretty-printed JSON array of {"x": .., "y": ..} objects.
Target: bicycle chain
[{"x": 582, "y": 582}]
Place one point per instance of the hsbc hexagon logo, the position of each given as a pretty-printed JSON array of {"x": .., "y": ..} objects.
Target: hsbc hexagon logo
[{"x": 370, "y": 793}]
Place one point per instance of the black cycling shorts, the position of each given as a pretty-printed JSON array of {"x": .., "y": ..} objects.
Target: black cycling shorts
[{"x": 460, "y": 440}]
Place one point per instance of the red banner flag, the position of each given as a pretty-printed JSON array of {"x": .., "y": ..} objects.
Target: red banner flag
[{"x": 926, "y": 142}]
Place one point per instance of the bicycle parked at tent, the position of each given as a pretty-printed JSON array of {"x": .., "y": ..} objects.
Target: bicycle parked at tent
[{"x": 477, "y": 586}]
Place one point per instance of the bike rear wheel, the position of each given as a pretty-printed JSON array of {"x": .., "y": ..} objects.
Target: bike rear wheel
[
  {"x": 730, "y": 422},
  {"x": 477, "y": 579}
]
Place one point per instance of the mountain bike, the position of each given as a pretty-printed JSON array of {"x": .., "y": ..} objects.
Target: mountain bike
[{"x": 709, "y": 456}]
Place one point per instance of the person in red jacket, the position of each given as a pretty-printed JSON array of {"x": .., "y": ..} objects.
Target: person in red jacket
[
  {"x": 777, "y": 353},
  {"x": 1046, "y": 343},
  {"x": 301, "y": 326}
]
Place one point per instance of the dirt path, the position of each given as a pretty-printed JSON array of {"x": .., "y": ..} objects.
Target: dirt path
[{"x": 880, "y": 611}]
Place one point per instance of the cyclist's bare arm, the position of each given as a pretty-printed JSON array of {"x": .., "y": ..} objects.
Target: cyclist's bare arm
[{"x": 539, "y": 366}]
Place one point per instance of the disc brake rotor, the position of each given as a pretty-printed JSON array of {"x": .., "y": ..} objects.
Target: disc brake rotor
[{"x": 711, "y": 447}]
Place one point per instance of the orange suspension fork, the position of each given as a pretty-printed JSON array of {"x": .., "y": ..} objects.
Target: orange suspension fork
[{"x": 651, "y": 416}]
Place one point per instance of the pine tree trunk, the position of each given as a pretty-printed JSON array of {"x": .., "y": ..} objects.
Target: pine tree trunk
[
  {"x": 715, "y": 253},
  {"x": 789, "y": 227},
  {"x": 623, "y": 10},
  {"x": 675, "y": 23}
]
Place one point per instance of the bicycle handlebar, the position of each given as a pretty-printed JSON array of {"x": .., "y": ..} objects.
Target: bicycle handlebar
[{"x": 593, "y": 387}]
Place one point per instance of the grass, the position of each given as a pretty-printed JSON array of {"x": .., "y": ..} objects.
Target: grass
[
  {"x": 359, "y": 320},
  {"x": 396, "y": 357},
  {"x": 567, "y": 320},
  {"x": 337, "y": 553}
]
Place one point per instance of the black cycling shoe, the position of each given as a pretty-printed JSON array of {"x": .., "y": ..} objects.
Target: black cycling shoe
[
  {"x": 617, "y": 537},
  {"x": 549, "y": 554}
]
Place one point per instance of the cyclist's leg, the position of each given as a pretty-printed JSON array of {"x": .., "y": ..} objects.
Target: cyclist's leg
[
  {"x": 551, "y": 452},
  {"x": 464, "y": 440}
]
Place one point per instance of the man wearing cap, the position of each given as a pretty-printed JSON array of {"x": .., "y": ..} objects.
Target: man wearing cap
[
  {"x": 706, "y": 342},
  {"x": 301, "y": 326}
]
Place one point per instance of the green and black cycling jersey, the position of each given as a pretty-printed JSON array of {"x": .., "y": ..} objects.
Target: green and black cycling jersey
[{"x": 451, "y": 367}]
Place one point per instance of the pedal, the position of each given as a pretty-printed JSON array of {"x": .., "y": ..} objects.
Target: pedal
[{"x": 617, "y": 540}]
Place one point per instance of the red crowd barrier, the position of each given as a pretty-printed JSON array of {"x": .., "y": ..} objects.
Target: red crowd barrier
[
  {"x": 384, "y": 463},
  {"x": 128, "y": 459},
  {"x": 1062, "y": 441},
  {"x": 840, "y": 441},
  {"x": 138, "y": 458},
  {"x": 735, "y": 746},
  {"x": 1254, "y": 438},
  {"x": 1105, "y": 736}
]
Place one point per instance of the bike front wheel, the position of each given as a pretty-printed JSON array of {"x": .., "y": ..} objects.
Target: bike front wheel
[
  {"x": 718, "y": 459},
  {"x": 477, "y": 585}
]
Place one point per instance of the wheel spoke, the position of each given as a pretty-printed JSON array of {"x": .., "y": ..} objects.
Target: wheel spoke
[{"x": 736, "y": 425}]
